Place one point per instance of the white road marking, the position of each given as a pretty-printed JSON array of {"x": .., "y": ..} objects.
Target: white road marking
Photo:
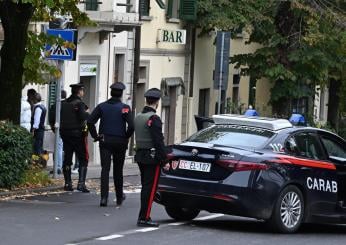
[
  {"x": 110, "y": 237},
  {"x": 132, "y": 191},
  {"x": 147, "y": 229},
  {"x": 213, "y": 216},
  {"x": 176, "y": 223}
]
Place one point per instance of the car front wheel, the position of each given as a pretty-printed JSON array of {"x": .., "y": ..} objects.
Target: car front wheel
[
  {"x": 182, "y": 214},
  {"x": 288, "y": 211}
]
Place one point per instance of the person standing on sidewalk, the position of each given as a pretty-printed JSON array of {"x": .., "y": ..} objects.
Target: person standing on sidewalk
[
  {"x": 37, "y": 124},
  {"x": 74, "y": 136},
  {"x": 60, "y": 153},
  {"x": 116, "y": 127},
  {"x": 150, "y": 153}
]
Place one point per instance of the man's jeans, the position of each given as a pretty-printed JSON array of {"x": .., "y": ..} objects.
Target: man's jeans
[
  {"x": 60, "y": 153},
  {"x": 38, "y": 141}
]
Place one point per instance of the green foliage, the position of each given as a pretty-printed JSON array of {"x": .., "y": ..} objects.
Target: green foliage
[
  {"x": 302, "y": 43},
  {"x": 36, "y": 68},
  {"x": 15, "y": 153},
  {"x": 35, "y": 176}
]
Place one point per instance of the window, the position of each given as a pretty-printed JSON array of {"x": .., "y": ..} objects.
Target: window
[
  {"x": 144, "y": 7},
  {"x": 91, "y": 5},
  {"x": 173, "y": 9},
  {"x": 308, "y": 146},
  {"x": 188, "y": 10},
  {"x": 333, "y": 148},
  {"x": 233, "y": 135},
  {"x": 300, "y": 105},
  {"x": 143, "y": 72},
  {"x": 203, "y": 106}
]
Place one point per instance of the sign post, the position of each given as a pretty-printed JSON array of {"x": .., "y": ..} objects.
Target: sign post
[
  {"x": 67, "y": 51},
  {"x": 221, "y": 64}
]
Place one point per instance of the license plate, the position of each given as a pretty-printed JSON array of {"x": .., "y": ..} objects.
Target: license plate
[{"x": 194, "y": 166}]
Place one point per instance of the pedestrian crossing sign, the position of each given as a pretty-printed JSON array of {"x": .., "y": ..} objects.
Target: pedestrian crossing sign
[{"x": 68, "y": 50}]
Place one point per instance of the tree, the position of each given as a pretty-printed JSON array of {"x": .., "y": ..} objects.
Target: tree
[
  {"x": 302, "y": 43},
  {"x": 21, "y": 53}
]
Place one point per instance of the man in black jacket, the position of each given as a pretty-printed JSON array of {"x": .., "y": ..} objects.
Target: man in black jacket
[
  {"x": 116, "y": 127},
  {"x": 150, "y": 153},
  {"x": 74, "y": 136}
]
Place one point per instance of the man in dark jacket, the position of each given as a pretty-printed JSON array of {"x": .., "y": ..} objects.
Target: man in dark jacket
[
  {"x": 150, "y": 153},
  {"x": 74, "y": 136},
  {"x": 116, "y": 127}
]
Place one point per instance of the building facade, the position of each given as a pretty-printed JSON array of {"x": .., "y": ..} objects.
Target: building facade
[{"x": 105, "y": 54}]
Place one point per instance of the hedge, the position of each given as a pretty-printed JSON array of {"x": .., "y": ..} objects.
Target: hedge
[{"x": 15, "y": 153}]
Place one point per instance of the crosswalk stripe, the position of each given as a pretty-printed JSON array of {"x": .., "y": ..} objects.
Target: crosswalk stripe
[{"x": 110, "y": 237}]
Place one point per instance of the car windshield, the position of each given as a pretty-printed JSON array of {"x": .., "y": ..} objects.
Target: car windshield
[{"x": 233, "y": 136}]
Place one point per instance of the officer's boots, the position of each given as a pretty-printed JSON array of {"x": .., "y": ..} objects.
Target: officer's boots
[
  {"x": 81, "y": 182},
  {"x": 67, "y": 176}
]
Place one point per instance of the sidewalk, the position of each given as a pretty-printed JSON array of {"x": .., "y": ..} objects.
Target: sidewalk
[
  {"x": 94, "y": 173},
  {"x": 94, "y": 170}
]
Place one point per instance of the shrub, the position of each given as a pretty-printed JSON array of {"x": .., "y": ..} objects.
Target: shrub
[
  {"x": 35, "y": 176},
  {"x": 15, "y": 153}
]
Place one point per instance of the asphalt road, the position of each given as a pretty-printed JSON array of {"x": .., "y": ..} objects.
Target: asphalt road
[{"x": 76, "y": 218}]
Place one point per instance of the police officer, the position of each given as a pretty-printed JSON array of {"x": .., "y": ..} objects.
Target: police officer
[
  {"x": 113, "y": 136},
  {"x": 74, "y": 136},
  {"x": 150, "y": 153}
]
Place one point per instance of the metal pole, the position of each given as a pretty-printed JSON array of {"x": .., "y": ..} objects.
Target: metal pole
[
  {"x": 57, "y": 117},
  {"x": 221, "y": 72}
]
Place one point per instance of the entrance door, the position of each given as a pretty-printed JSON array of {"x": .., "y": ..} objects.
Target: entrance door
[
  {"x": 90, "y": 100},
  {"x": 168, "y": 114}
]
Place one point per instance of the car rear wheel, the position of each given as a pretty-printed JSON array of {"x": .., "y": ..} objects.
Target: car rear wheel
[
  {"x": 182, "y": 214},
  {"x": 288, "y": 211}
]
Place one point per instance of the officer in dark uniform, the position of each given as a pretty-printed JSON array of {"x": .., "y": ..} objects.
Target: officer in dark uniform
[
  {"x": 150, "y": 153},
  {"x": 74, "y": 136},
  {"x": 113, "y": 136}
]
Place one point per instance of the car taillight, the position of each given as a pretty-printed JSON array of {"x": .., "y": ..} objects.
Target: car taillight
[
  {"x": 170, "y": 156},
  {"x": 241, "y": 165}
]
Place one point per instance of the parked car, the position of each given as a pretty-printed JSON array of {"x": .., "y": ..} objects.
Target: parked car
[{"x": 261, "y": 168}]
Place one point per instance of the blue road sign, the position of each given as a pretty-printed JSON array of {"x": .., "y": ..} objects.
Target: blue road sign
[
  {"x": 223, "y": 40},
  {"x": 60, "y": 52}
]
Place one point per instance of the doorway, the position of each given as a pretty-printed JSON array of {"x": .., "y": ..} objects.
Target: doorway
[
  {"x": 90, "y": 90},
  {"x": 169, "y": 104}
]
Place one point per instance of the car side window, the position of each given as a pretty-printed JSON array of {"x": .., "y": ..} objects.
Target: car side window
[
  {"x": 333, "y": 148},
  {"x": 308, "y": 146}
]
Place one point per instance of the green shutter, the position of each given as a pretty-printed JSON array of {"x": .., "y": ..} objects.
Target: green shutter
[
  {"x": 188, "y": 9},
  {"x": 51, "y": 96},
  {"x": 144, "y": 6},
  {"x": 161, "y": 4},
  {"x": 91, "y": 5},
  {"x": 170, "y": 9}
]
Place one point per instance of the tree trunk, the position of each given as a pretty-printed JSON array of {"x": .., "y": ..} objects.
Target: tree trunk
[
  {"x": 15, "y": 18},
  {"x": 333, "y": 103}
]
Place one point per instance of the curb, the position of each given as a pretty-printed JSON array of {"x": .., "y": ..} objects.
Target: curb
[
  {"x": 31, "y": 191},
  {"x": 46, "y": 189}
]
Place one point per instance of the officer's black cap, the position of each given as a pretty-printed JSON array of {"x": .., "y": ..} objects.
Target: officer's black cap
[
  {"x": 118, "y": 86},
  {"x": 77, "y": 85},
  {"x": 153, "y": 93}
]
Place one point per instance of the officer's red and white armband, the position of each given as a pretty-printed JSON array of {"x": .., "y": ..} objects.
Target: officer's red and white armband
[{"x": 125, "y": 110}]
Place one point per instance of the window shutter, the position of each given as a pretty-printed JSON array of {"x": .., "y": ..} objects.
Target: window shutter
[
  {"x": 170, "y": 9},
  {"x": 144, "y": 6},
  {"x": 91, "y": 5},
  {"x": 188, "y": 9}
]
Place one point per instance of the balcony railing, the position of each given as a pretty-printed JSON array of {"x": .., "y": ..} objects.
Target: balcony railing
[{"x": 114, "y": 11}]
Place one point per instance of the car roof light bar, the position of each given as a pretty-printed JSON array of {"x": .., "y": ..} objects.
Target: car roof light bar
[{"x": 260, "y": 122}]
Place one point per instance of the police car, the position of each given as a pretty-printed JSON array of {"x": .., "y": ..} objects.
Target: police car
[{"x": 261, "y": 168}]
